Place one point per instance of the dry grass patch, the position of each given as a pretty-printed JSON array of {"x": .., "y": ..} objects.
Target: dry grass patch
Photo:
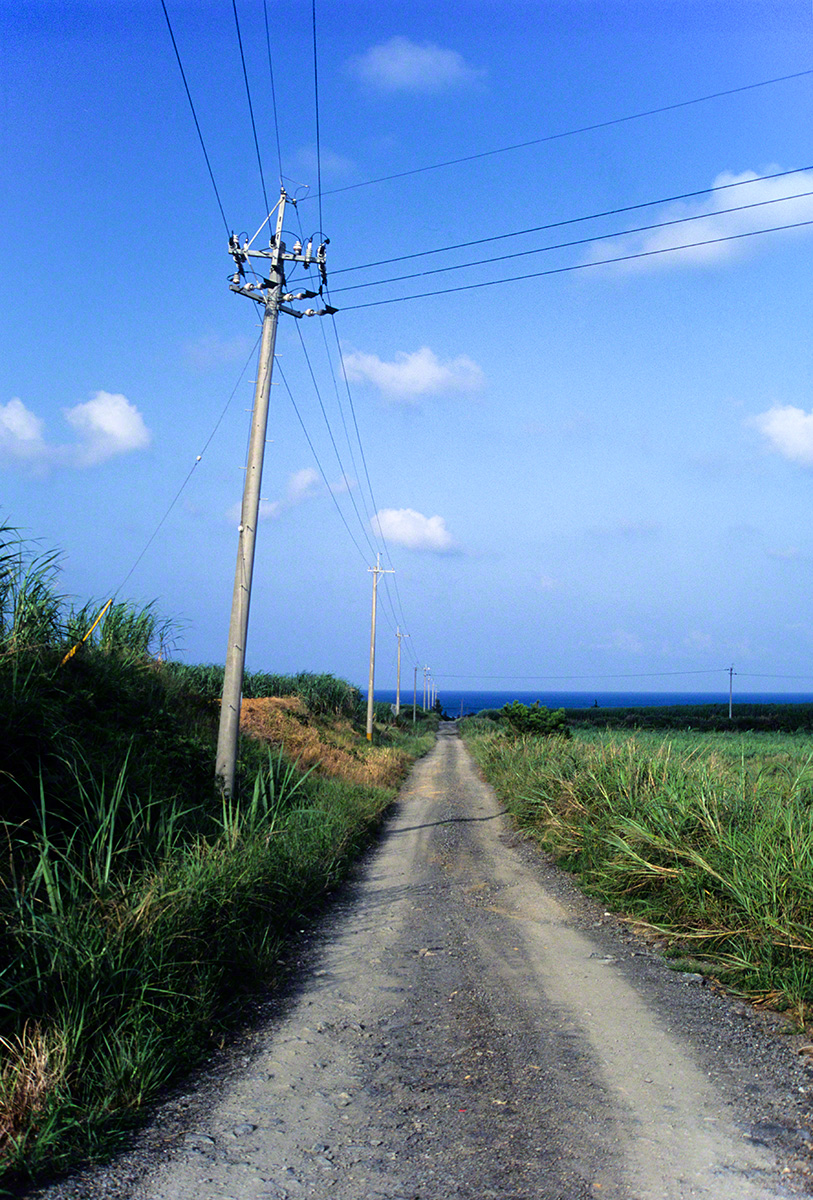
[
  {"x": 331, "y": 747},
  {"x": 33, "y": 1067}
]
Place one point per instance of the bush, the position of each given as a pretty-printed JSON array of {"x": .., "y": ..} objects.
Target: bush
[{"x": 535, "y": 720}]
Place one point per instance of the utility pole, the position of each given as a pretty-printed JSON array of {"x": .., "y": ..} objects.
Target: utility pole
[
  {"x": 425, "y": 673},
  {"x": 730, "y": 693},
  {"x": 414, "y": 691},
  {"x": 375, "y": 572},
  {"x": 399, "y": 635},
  {"x": 270, "y": 293}
]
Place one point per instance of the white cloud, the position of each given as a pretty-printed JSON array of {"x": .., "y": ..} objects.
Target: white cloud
[
  {"x": 406, "y": 527},
  {"x": 401, "y": 65},
  {"x": 106, "y": 426},
  {"x": 789, "y": 431},
  {"x": 547, "y": 583},
  {"x": 420, "y": 373},
  {"x": 20, "y": 432},
  {"x": 708, "y": 222}
]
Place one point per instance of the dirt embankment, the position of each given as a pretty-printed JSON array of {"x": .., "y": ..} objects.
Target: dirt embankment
[{"x": 331, "y": 745}]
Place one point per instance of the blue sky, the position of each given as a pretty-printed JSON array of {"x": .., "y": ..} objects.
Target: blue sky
[{"x": 595, "y": 473}]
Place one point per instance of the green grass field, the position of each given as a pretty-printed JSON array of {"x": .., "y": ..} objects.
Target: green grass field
[{"x": 705, "y": 837}]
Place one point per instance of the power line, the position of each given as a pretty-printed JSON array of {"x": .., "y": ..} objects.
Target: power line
[
  {"x": 627, "y": 675},
  {"x": 318, "y": 463},
  {"x": 610, "y": 212},
  {"x": 576, "y": 242},
  {"x": 194, "y": 115},
  {"x": 191, "y": 471},
  {"x": 316, "y": 106},
  {"x": 332, "y": 438},
  {"x": 732, "y": 237},
  {"x": 250, "y": 106},
  {"x": 367, "y": 473},
  {"x": 552, "y": 137},
  {"x": 273, "y": 91}
]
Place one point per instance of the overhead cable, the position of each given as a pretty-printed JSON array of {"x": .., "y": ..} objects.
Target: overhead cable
[
  {"x": 609, "y": 212},
  {"x": 318, "y": 462},
  {"x": 379, "y": 533},
  {"x": 194, "y": 116},
  {"x": 273, "y": 90},
  {"x": 552, "y": 137},
  {"x": 191, "y": 470},
  {"x": 479, "y": 262},
  {"x": 250, "y": 105},
  {"x": 625, "y": 675},
  {"x": 333, "y": 440},
  {"x": 603, "y": 262},
  {"x": 316, "y": 107}
]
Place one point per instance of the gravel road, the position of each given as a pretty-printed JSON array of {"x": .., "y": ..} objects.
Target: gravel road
[{"x": 462, "y": 1023}]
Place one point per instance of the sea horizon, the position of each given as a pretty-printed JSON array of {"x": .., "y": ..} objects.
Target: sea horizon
[{"x": 455, "y": 700}]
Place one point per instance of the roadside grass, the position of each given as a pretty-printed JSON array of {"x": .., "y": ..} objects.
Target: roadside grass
[
  {"x": 139, "y": 908},
  {"x": 705, "y": 838}
]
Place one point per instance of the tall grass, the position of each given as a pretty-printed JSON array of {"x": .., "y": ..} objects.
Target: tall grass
[
  {"x": 138, "y": 907},
  {"x": 708, "y": 839},
  {"x": 125, "y": 951},
  {"x": 323, "y": 694}
]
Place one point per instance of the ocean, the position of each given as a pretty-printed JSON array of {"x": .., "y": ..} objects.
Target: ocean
[{"x": 455, "y": 701}]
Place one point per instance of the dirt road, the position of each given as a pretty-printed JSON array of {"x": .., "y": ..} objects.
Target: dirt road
[{"x": 469, "y": 1027}]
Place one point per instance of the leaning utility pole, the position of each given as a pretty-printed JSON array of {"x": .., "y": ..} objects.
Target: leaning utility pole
[
  {"x": 375, "y": 572},
  {"x": 399, "y": 635},
  {"x": 270, "y": 293}
]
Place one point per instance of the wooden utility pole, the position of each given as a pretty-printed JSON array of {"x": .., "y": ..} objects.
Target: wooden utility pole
[
  {"x": 375, "y": 572},
  {"x": 269, "y": 292}
]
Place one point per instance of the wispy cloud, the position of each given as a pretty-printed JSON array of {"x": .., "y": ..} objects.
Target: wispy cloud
[
  {"x": 788, "y": 431},
  {"x": 330, "y": 163},
  {"x": 211, "y": 351},
  {"x": 301, "y": 486},
  {"x": 106, "y": 426},
  {"x": 401, "y": 65},
  {"x": 705, "y": 221},
  {"x": 411, "y": 375},
  {"x": 406, "y": 527}
]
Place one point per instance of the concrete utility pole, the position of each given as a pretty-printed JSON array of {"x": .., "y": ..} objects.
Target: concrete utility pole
[
  {"x": 375, "y": 572},
  {"x": 270, "y": 292},
  {"x": 730, "y": 693},
  {"x": 414, "y": 691},
  {"x": 399, "y": 635},
  {"x": 425, "y": 674}
]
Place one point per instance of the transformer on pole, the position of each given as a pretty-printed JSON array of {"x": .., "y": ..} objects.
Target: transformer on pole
[{"x": 269, "y": 291}]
